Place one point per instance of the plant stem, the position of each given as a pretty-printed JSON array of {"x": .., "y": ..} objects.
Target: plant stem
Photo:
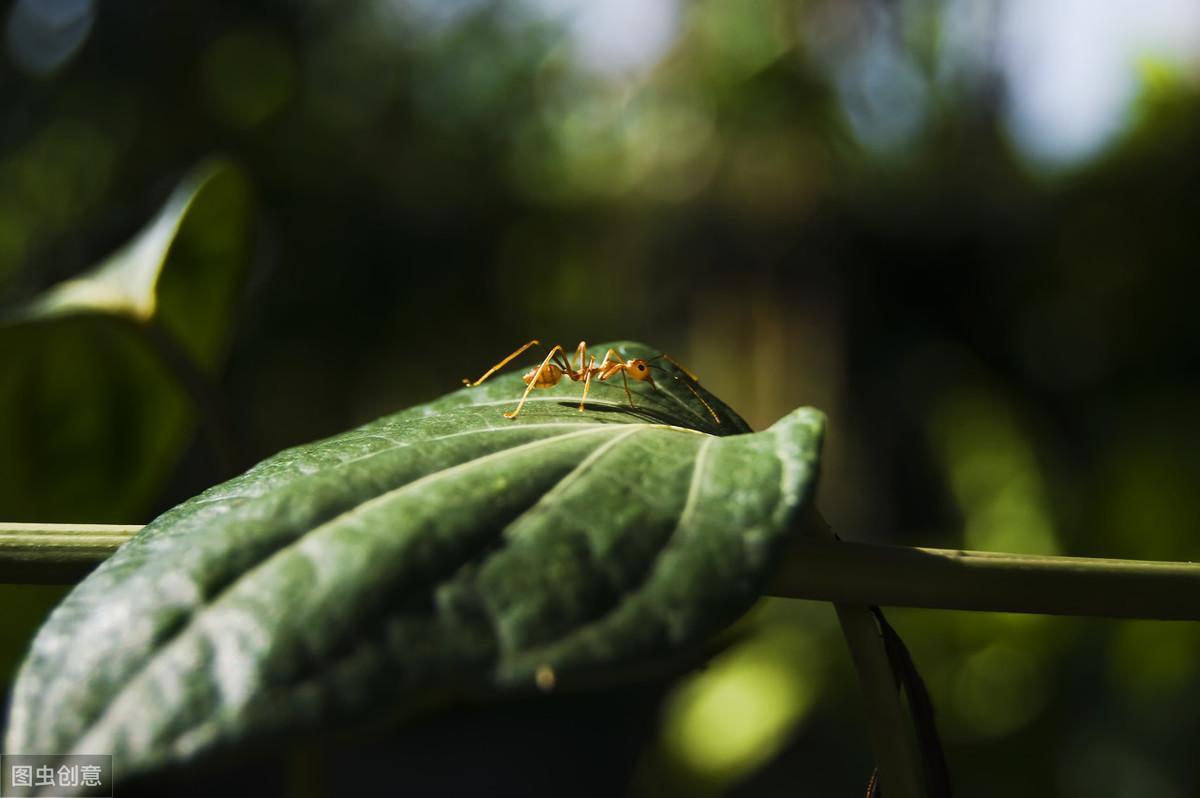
[
  {"x": 56, "y": 554},
  {"x": 898, "y": 576},
  {"x": 822, "y": 570}
]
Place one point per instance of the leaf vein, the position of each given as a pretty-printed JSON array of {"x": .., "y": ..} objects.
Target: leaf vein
[{"x": 198, "y": 617}]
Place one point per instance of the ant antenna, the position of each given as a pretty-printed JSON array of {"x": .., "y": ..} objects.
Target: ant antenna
[
  {"x": 707, "y": 406},
  {"x": 676, "y": 364},
  {"x": 695, "y": 393}
]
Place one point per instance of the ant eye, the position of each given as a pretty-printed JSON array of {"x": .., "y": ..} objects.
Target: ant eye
[{"x": 641, "y": 367}]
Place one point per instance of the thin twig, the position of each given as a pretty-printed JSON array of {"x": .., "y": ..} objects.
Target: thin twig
[
  {"x": 898, "y": 576},
  {"x": 822, "y": 570},
  {"x": 57, "y": 554}
]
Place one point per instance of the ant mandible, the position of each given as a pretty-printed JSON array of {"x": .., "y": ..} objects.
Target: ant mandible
[{"x": 555, "y": 366}]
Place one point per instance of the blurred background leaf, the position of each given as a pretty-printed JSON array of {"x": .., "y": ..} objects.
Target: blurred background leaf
[
  {"x": 100, "y": 376},
  {"x": 91, "y": 368},
  {"x": 965, "y": 230}
]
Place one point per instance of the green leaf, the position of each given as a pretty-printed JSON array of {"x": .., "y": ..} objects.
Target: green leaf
[
  {"x": 93, "y": 414},
  {"x": 441, "y": 551}
]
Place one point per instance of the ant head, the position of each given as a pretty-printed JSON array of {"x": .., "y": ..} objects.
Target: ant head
[{"x": 639, "y": 369}]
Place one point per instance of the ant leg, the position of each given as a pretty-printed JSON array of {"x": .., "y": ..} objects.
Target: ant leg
[
  {"x": 606, "y": 371},
  {"x": 607, "y": 362},
  {"x": 533, "y": 381},
  {"x": 609, "y": 368},
  {"x": 587, "y": 381},
  {"x": 580, "y": 354},
  {"x": 561, "y": 360},
  {"x": 499, "y": 365}
]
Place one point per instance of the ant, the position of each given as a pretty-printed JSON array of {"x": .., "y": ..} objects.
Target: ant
[{"x": 555, "y": 366}]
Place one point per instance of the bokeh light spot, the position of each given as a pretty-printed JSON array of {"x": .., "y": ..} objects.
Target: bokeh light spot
[
  {"x": 614, "y": 38},
  {"x": 741, "y": 38},
  {"x": 738, "y": 712},
  {"x": 43, "y": 35},
  {"x": 1152, "y": 658},
  {"x": 994, "y": 475},
  {"x": 997, "y": 690},
  {"x": 248, "y": 76},
  {"x": 64, "y": 168},
  {"x": 1072, "y": 68}
]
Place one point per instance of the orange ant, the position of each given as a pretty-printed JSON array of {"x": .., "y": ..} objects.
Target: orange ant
[{"x": 555, "y": 366}]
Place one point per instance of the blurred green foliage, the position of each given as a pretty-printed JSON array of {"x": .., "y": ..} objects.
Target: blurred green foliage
[
  {"x": 102, "y": 376},
  {"x": 808, "y": 203},
  {"x": 95, "y": 373}
]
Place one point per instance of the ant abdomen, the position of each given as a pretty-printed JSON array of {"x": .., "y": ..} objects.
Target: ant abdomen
[{"x": 548, "y": 377}]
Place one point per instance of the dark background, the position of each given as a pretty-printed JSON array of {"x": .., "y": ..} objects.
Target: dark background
[{"x": 966, "y": 231}]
